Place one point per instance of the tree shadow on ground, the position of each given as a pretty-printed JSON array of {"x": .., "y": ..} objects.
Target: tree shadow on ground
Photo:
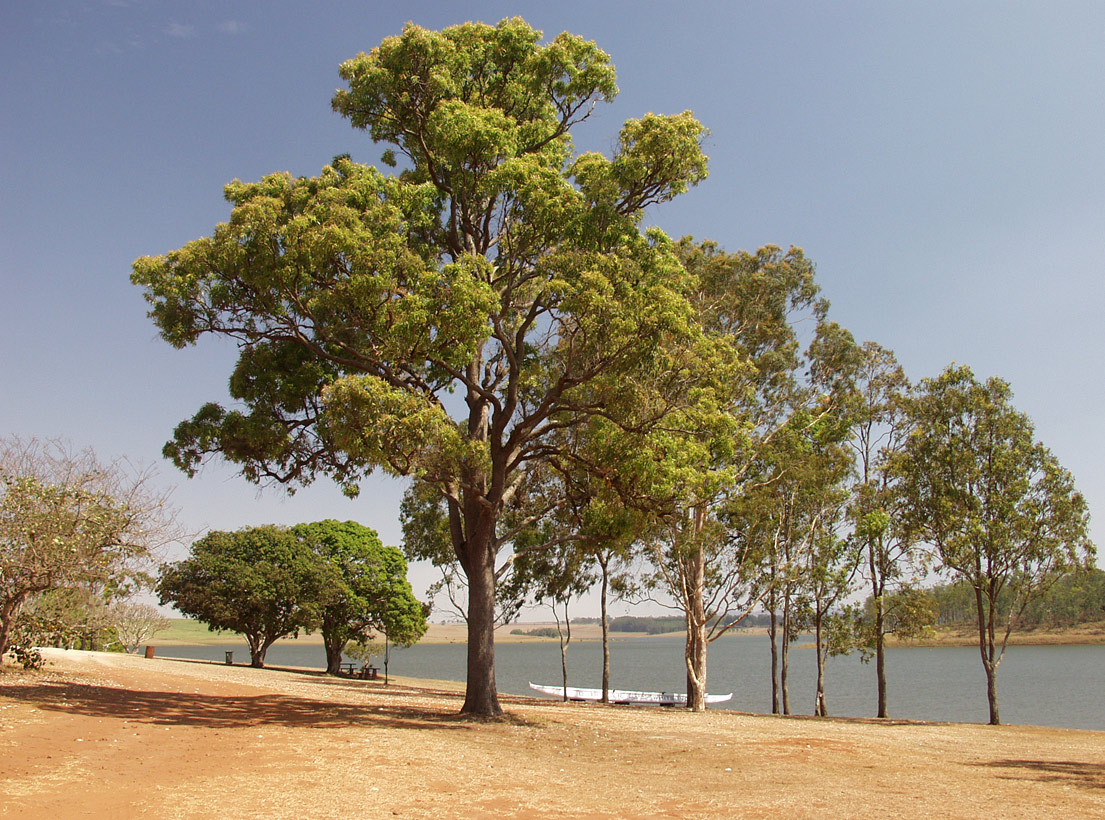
[
  {"x": 395, "y": 692},
  {"x": 1077, "y": 773},
  {"x": 226, "y": 711}
]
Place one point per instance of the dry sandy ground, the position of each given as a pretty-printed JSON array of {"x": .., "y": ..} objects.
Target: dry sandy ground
[{"x": 111, "y": 736}]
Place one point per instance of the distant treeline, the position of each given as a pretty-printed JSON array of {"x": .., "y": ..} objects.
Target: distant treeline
[
  {"x": 538, "y": 632},
  {"x": 1073, "y": 599},
  {"x": 663, "y": 624}
]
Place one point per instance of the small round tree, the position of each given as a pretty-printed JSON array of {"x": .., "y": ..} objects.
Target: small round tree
[{"x": 365, "y": 588}]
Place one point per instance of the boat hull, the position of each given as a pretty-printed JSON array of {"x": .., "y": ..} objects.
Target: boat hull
[{"x": 624, "y": 696}]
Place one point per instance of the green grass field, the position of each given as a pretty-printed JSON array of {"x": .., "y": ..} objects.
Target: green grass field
[{"x": 184, "y": 631}]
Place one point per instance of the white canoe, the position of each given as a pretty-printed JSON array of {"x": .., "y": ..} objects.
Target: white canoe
[{"x": 624, "y": 695}]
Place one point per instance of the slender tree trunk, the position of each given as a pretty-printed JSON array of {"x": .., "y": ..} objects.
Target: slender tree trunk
[
  {"x": 820, "y": 708},
  {"x": 696, "y": 633},
  {"x": 880, "y": 654},
  {"x": 878, "y": 590},
  {"x": 986, "y": 650},
  {"x": 773, "y": 632},
  {"x": 481, "y": 698},
  {"x": 605, "y": 632},
  {"x": 565, "y": 634},
  {"x": 784, "y": 652}
]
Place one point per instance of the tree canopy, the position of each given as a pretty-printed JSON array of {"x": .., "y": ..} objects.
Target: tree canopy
[
  {"x": 1000, "y": 511},
  {"x": 364, "y": 588},
  {"x": 446, "y": 320},
  {"x": 262, "y": 582}
]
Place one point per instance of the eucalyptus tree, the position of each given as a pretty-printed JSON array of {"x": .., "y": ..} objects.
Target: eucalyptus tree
[
  {"x": 794, "y": 513},
  {"x": 69, "y": 521},
  {"x": 829, "y": 561},
  {"x": 713, "y": 452},
  {"x": 999, "y": 510},
  {"x": 555, "y": 577},
  {"x": 443, "y": 321},
  {"x": 586, "y": 497},
  {"x": 880, "y": 427}
]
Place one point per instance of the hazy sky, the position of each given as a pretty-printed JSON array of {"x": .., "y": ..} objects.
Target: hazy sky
[{"x": 943, "y": 163}]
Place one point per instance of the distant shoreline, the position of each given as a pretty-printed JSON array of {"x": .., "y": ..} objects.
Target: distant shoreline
[{"x": 186, "y": 632}]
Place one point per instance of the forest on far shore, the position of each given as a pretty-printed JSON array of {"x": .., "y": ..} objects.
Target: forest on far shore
[{"x": 1075, "y": 598}]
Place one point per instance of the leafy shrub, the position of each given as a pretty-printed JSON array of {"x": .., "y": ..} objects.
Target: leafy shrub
[{"x": 29, "y": 656}]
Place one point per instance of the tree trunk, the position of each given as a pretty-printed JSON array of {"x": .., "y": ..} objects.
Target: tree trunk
[
  {"x": 481, "y": 699},
  {"x": 820, "y": 708},
  {"x": 878, "y": 590},
  {"x": 605, "y": 634},
  {"x": 784, "y": 652},
  {"x": 696, "y": 667},
  {"x": 334, "y": 649},
  {"x": 7, "y": 619},
  {"x": 258, "y": 646},
  {"x": 880, "y": 662},
  {"x": 772, "y": 632},
  {"x": 992, "y": 692},
  {"x": 986, "y": 649},
  {"x": 565, "y": 635},
  {"x": 696, "y": 634}
]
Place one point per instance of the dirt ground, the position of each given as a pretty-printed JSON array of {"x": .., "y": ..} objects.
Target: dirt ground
[{"x": 113, "y": 736}]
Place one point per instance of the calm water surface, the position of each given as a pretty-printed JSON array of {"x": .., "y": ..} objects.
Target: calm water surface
[{"x": 1062, "y": 686}]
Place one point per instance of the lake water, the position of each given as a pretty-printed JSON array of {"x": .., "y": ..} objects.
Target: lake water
[{"x": 1062, "y": 686}]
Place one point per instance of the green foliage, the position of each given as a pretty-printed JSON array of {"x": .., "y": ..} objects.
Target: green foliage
[
  {"x": 494, "y": 265},
  {"x": 364, "y": 586},
  {"x": 538, "y": 632},
  {"x": 999, "y": 510},
  {"x": 268, "y": 582},
  {"x": 1072, "y": 598},
  {"x": 73, "y": 617},
  {"x": 649, "y": 626},
  {"x": 364, "y": 651},
  {"x": 262, "y": 582}
]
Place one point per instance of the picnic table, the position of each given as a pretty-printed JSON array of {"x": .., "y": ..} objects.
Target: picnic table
[{"x": 366, "y": 672}]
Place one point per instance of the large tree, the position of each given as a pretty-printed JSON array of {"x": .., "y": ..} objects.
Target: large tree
[
  {"x": 364, "y": 588},
  {"x": 711, "y": 449},
  {"x": 71, "y": 521},
  {"x": 262, "y": 582},
  {"x": 997, "y": 507},
  {"x": 442, "y": 322}
]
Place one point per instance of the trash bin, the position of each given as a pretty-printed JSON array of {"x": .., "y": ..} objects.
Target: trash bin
[
  {"x": 150, "y": 651},
  {"x": 229, "y": 658}
]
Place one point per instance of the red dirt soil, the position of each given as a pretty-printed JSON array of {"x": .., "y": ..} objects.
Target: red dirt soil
[{"x": 112, "y": 736}]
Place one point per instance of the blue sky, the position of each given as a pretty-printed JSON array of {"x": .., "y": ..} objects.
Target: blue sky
[{"x": 941, "y": 162}]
